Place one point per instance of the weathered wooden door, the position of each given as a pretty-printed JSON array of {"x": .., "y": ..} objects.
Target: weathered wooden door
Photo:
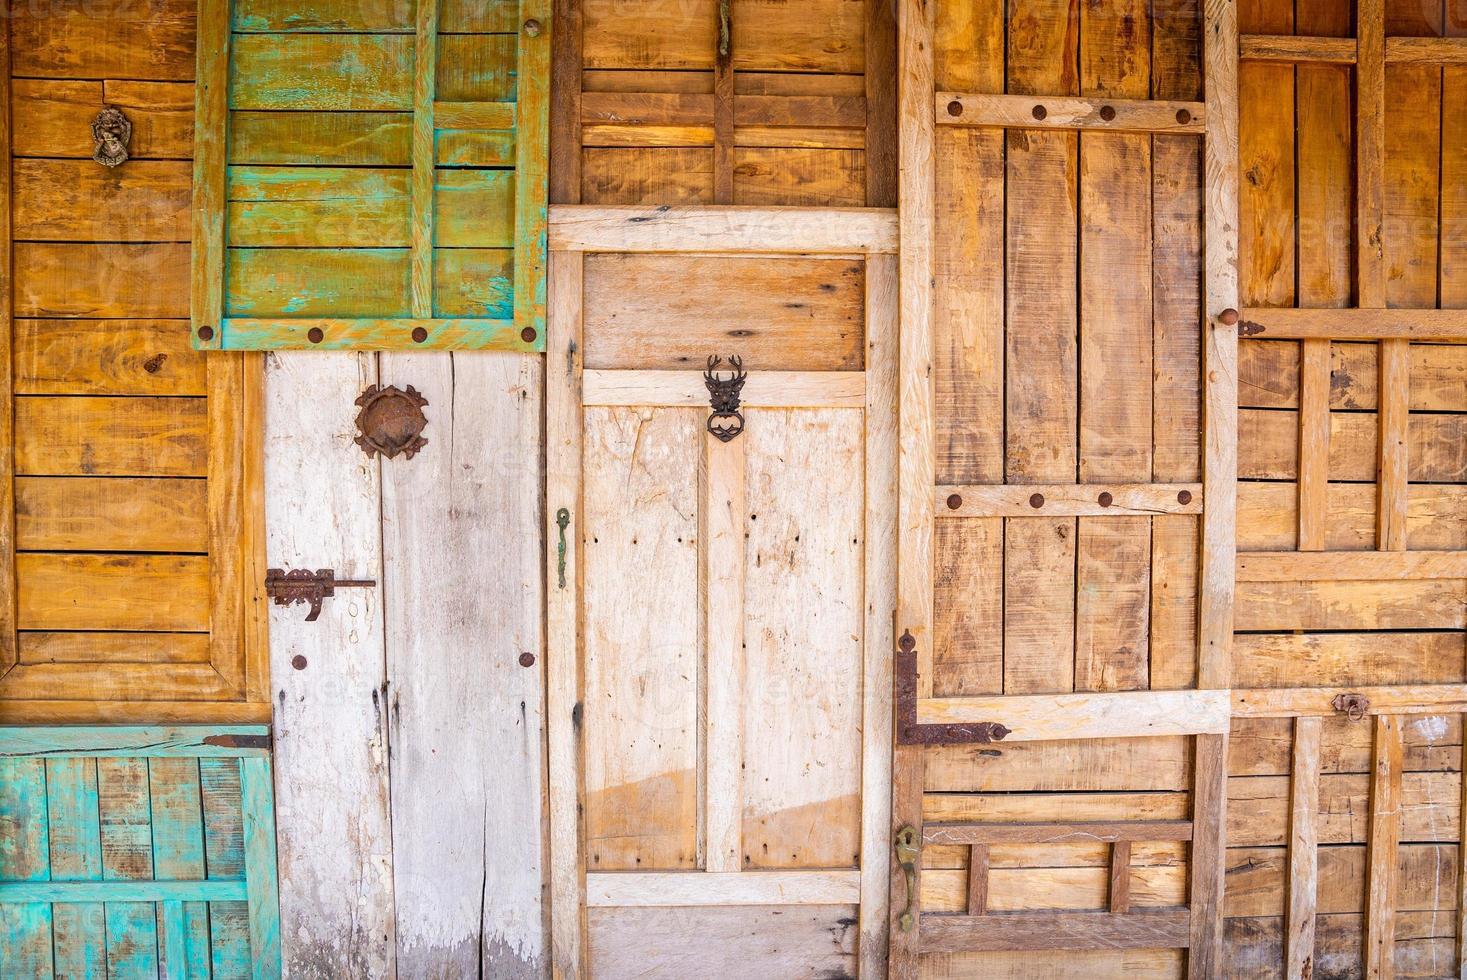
[
  {"x": 1068, "y": 392},
  {"x": 719, "y": 608}
]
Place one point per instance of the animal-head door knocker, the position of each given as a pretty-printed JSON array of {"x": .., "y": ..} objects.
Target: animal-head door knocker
[
  {"x": 725, "y": 423},
  {"x": 111, "y": 132}
]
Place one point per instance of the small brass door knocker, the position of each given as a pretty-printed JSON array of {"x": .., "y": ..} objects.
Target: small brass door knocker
[
  {"x": 111, "y": 132},
  {"x": 725, "y": 423}
]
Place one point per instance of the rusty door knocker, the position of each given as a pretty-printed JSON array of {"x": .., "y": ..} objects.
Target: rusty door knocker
[{"x": 725, "y": 423}]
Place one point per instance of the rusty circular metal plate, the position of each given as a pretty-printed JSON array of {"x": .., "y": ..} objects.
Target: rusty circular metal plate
[{"x": 391, "y": 421}]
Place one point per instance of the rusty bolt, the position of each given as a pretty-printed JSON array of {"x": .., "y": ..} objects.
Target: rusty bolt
[
  {"x": 954, "y": 108},
  {"x": 1107, "y": 112},
  {"x": 1040, "y": 112},
  {"x": 420, "y": 334},
  {"x": 206, "y": 332},
  {"x": 298, "y": 662},
  {"x": 954, "y": 501},
  {"x": 532, "y": 27},
  {"x": 1228, "y": 317},
  {"x": 1184, "y": 496},
  {"x": 315, "y": 335},
  {"x": 1105, "y": 498},
  {"x": 528, "y": 335},
  {"x": 1036, "y": 501},
  {"x": 1183, "y": 116},
  {"x": 527, "y": 660}
]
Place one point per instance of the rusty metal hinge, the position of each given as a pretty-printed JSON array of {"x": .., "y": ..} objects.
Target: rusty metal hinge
[
  {"x": 909, "y": 732},
  {"x": 304, "y": 585}
]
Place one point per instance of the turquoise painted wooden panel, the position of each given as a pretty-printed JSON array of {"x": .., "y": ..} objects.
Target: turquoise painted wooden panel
[
  {"x": 371, "y": 175},
  {"x": 138, "y": 852}
]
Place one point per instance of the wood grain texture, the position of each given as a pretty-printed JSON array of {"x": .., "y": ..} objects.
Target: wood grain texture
[
  {"x": 1303, "y": 848},
  {"x": 1385, "y": 832},
  {"x": 127, "y": 592}
]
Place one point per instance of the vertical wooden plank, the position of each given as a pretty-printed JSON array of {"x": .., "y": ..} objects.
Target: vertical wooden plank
[
  {"x": 1395, "y": 405},
  {"x": 1462, "y": 882},
  {"x": 916, "y": 462},
  {"x": 466, "y": 724},
  {"x": 1220, "y": 400},
  {"x": 1303, "y": 849},
  {"x": 178, "y": 855},
  {"x": 1453, "y": 286},
  {"x": 1209, "y": 846},
  {"x": 235, "y": 493},
  {"x": 532, "y": 168},
  {"x": 1326, "y": 232},
  {"x": 562, "y": 523},
  {"x": 565, "y": 101},
  {"x": 211, "y": 116},
  {"x": 329, "y": 677},
  {"x": 76, "y": 855},
  {"x": 258, "y": 812},
  {"x": 25, "y": 929},
  {"x": 1370, "y": 151},
  {"x": 1120, "y": 877},
  {"x": 8, "y": 654},
  {"x": 723, "y": 104},
  {"x": 425, "y": 68},
  {"x": 978, "y": 879},
  {"x": 127, "y": 854},
  {"x": 1383, "y": 847},
  {"x": 881, "y": 84},
  {"x": 172, "y": 941},
  {"x": 880, "y": 586},
  {"x": 229, "y": 925},
  {"x": 1314, "y": 421},
  {"x": 721, "y": 584}
]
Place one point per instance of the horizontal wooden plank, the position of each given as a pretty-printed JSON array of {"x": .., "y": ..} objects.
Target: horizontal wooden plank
[
  {"x": 111, "y": 514},
  {"x": 1057, "y": 833},
  {"x": 107, "y": 357},
  {"x": 737, "y": 941},
  {"x": 79, "y": 201},
  {"x": 1058, "y": 112},
  {"x": 639, "y": 888},
  {"x": 327, "y": 207},
  {"x": 1055, "y": 930},
  {"x": 59, "y": 436},
  {"x": 1078, "y": 802},
  {"x": 1436, "y": 516},
  {"x": 95, "y": 280},
  {"x": 1426, "y": 50},
  {"x": 344, "y": 72},
  {"x": 1269, "y": 373},
  {"x": 244, "y": 333},
  {"x": 474, "y": 115},
  {"x": 1316, "y": 701},
  {"x": 1131, "y": 714},
  {"x": 155, "y": 741},
  {"x": 118, "y": 681},
  {"x": 1355, "y": 324},
  {"x": 213, "y": 890},
  {"x": 1296, "y": 566},
  {"x": 53, "y": 117},
  {"x": 1069, "y": 500},
  {"x": 79, "y": 647},
  {"x": 1352, "y": 605},
  {"x": 636, "y": 228},
  {"x": 1436, "y": 446},
  {"x": 91, "y": 712},
  {"x": 1338, "y": 658},
  {"x": 766, "y": 389},
  {"x": 73, "y": 40},
  {"x": 1296, "y": 48},
  {"x": 107, "y": 592},
  {"x": 321, "y": 138}
]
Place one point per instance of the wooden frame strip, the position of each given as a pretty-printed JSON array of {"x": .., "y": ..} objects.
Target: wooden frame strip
[
  {"x": 1064, "y": 112},
  {"x": 767, "y": 389},
  {"x": 565, "y": 88},
  {"x": 978, "y": 879},
  {"x": 1447, "y": 326},
  {"x": 881, "y": 95},
  {"x": 1350, "y": 566},
  {"x": 367, "y": 333},
  {"x": 1295, "y": 48},
  {"x": 1015, "y": 932},
  {"x": 637, "y": 229},
  {"x": 9, "y": 654},
  {"x": 689, "y": 888},
  {"x": 71, "y": 892},
  {"x": 1209, "y": 847},
  {"x": 1426, "y": 50},
  {"x": 474, "y": 115},
  {"x": 75, "y": 712},
  {"x": 1370, "y": 151},
  {"x": 1303, "y": 882},
  {"x": 1383, "y": 847},
  {"x": 1125, "y": 714},
  {"x": 723, "y": 103},
  {"x": 257, "y": 804},
  {"x": 1098, "y": 831},
  {"x": 1069, "y": 500},
  {"x": 1314, "y": 423},
  {"x": 211, "y": 123},
  {"x": 562, "y": 628},
  {"x": 150, "y": 742},
  {"x": 1119, "y": 899},
  {"x": 425, "y": 55},
  {"x": 1394, "y": 417},
  {"x": 1317, "y": 701},
  {"x": 532, "y": 170},
  {"x": 1462, "y": 879}
]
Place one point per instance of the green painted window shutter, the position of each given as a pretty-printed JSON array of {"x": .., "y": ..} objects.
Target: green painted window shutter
[
  {"x": 371, "y": 174},
  {"x": 132, "y": 852}
]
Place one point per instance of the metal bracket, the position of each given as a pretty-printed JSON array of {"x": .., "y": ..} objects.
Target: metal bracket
[
  {"x": 562, "y": 521},
  {"x": 908, "y": 732},
  {"x": 304, "y": 585},
  {"x": 725, "y": 423}
]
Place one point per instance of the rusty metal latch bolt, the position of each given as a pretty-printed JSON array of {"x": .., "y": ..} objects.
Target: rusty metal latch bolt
[
  {"x": 304, "y": 585},
  {"x": 908, "y": 853}
]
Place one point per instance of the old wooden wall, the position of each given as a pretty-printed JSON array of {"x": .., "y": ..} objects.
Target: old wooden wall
[{"x": 129, "y": 532}]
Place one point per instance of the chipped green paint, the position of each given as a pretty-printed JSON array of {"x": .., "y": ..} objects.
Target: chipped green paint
[
  {"x": 135, "y": 852},
  {"x": 315, "y": 154}
]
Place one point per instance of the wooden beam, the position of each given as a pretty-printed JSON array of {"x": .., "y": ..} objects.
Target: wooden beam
[
  {"x": 721, "y": 519},
  {"x": 1303, "y": 849},
  {"x": 1392, "y": 476},
  {"x": 211, "y": 119},
  {"x": 1426, "y": 50},
  {"x": 1445, "y": 326},
  {"x": 768, "y": 389},
  {"x": 1317, "y": 701},
  {"x": 1042, "y": 717},
  {"x": 9, "y": 655},
  {"x": 1289, "y": 47},
  {"x": 1057, "y": 112},
  {"x": 723, "y": 104},
  {"x": 1314, "y": 422},
  {"x": 90, "y": 712},
  {"x": 1383, "y": 847},
  {"x": 1462, "y": 879},
  {"x": 1011, "y": 932},
  {"x": 881, "y": 110},
  {"x": 1209, "y": 846},
  {"x": 1370, "y": 152},
  {"x": 425, "y": 55},
  {"x": 691, "y": 228},
  {"x": 532, "y": 169},
  {"x": 1068, "y": 500},
  {"x": 1350, "y": 566},
  {"x": 1104, "y": 832},
  {"x": 565, "y": 91},
  {"x": 655, "y": 888},
  {"x": 366, "y": 333}
]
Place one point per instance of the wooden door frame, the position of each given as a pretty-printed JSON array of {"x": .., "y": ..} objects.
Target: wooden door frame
[{"x": 575, "y": 231}]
